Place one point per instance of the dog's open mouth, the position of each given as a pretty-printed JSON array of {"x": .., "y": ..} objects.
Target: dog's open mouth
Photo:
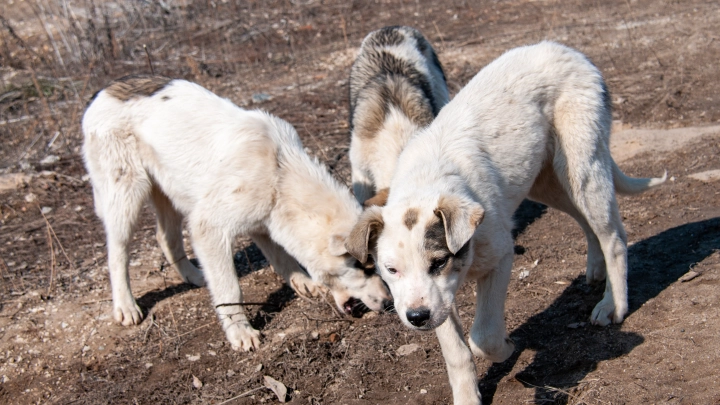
[{"x": 355, "y": 308}]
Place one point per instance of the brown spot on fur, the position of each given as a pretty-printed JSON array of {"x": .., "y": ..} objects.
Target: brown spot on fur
[
  {"x": 410, "y": 218},
  {"x": 379, "y": 199},
  {"x": 401, "y": 245},
  {"x": 129, "y": 87}
]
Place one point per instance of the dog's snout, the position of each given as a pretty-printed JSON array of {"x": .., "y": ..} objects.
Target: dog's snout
[{"x": 418, "y": 316}]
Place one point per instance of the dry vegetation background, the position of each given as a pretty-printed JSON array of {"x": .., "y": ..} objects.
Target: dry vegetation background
[{"x": 292, "y": 58}]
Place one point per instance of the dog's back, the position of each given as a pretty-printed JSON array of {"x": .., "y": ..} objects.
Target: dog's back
[
  {"x": 397, "y": 85},
  {"x": 159, "y": 133}
]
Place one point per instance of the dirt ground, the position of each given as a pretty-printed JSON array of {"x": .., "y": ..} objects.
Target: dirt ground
[{"x": 58, "y": 343}]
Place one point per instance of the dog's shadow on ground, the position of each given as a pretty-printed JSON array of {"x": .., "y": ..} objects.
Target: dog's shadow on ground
[
  {"x": 246, "y": 261},
  {"x": 565, "y": 355}
]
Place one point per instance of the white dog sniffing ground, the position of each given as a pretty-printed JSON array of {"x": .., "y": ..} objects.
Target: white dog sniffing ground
[
  {"x": 397, "y": 86},
  {"x": 534, "y": 123},
  {"x": 229, "y": 172}
]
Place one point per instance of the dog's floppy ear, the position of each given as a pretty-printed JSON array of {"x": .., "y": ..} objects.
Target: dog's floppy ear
[
  {"x": 365, "y": 233},
  {"x": 460, "y": 217}
]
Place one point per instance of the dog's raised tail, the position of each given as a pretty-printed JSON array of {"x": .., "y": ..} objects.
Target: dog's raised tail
[{"x": 625, "y": 184}]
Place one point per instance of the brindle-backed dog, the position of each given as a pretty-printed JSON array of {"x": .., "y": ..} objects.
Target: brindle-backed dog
[{"x": 397, "y": 86}]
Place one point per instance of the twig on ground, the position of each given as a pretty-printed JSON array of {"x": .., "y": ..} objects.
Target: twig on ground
[
  {"x": 244, "y": 394},
  {"x": 62, "y": 249},
  {"x": 52, "y": 259},
  {"x": 328, "y": 320},
  {"x": 442, "y": 40},
  {"x": 7, "y": 270}
]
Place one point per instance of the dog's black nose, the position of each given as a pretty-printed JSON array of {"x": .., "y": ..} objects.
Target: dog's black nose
[{"x": 418, "y": 317}]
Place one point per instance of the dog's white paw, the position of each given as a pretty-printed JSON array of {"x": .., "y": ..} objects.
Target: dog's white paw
[
  {"x": 605, "y": 312},
  {"x": 242, "y": 336},
  {"x": 496, "y": 352},
  {"x": 304, "y": 286},
  {"x": 127, "y": 313},
  {"x": 193, "y": 275}
]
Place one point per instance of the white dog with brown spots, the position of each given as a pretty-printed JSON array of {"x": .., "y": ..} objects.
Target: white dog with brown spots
[
  {"x": 229, "y": 172},
  {"x": 534, "y": 123}
]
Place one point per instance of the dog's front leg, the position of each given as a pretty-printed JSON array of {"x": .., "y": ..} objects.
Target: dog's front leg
[
  {"x": 287, "y": 267},
  {"x": 459, "y": 361},
  {"x": 488, "y": 337},
  {"x": 214, "y": 250}
]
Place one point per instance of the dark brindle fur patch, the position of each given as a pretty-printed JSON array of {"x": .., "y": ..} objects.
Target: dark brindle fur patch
[
  {"x": 379, "y": 80},
  {"x": 129, "y": 87},
  {"x": 436, "y": 247}
]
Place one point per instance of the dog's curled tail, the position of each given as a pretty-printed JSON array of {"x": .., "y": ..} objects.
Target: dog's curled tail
[{"x": 629, "y": 185}]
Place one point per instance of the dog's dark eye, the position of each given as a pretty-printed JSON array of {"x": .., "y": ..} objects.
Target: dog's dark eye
[
  {"x": 391, "y": 270},
  {"x": 438, "y": 264}
]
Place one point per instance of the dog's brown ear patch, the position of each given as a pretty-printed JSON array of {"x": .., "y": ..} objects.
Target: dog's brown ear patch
[
  {"x": 128, "y": 87},
  {"x": 363, "y": 236},
  {"x": 379, "y": 199},
  {"x": 460, "y": 217}
]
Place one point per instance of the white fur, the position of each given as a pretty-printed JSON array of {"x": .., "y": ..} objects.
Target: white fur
[
  {"x": 533, "y": 123},
  {"x": 229, "y": 172}
]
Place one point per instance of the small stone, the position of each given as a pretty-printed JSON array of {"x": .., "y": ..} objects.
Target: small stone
[
  {"x": 64, "y": 325},
  {"x": 148, "y": 365},
  {"x": 46, "y": 210},
  {"x": 404, "y": 350},
  {"x": 334, "y": 337},
  {"x": 689, "y": 276},
  {"x": 49, "y": 159},
  {"x": 196, "y": 382},
  {"x": 230, "y": 373},
  {"x": 259, "y": 367},
  {"x": 30, "y": 197},
  {"x": 523, "y": 274},
  {"x": 314, "y": 335},
  {"x": 193, "y": 357},
  {"x": 277, "y": 387},
  {"x": 212, "y": 352},
  {"x": 423, "y": 391},
  {"x": 261, "y": 97}
]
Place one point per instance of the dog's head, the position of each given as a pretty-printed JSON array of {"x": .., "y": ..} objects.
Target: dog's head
[
  {"x": 355, "y": 286},
  {"x": 422, "y": 249}
]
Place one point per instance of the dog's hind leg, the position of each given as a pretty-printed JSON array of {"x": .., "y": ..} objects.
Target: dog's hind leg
[
  {"x": 213, "y": 244},
  {"x": 120, "y": 186},
  {"x": 459, "y": 361},
  {"x": 584, "y": 167},
  {"x": 170, "y": 238},
  {"x": 287, "y": 267},
  {"x": 548, "y": 190}
]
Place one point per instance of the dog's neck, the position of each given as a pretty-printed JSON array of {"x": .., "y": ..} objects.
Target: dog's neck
[{"x": 311, "y": 207}]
